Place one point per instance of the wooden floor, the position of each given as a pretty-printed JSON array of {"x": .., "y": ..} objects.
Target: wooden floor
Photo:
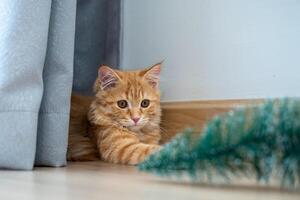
[{"x": 97, "y": 180}]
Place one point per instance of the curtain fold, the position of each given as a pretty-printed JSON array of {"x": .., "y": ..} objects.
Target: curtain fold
[
  {"x": 97, "y": 40},
  {"x": 52, "y": 138},
  {"x": 23, "y": 44}
]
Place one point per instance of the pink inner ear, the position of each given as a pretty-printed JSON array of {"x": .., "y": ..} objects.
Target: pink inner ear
[
  {"x": 107, "y": 78},
  {"x": 153, "y": 75},
  {"x": 153, "y": 83}
]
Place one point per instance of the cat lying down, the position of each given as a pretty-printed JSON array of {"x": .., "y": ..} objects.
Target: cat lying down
[{"x": 121, "y": 123}]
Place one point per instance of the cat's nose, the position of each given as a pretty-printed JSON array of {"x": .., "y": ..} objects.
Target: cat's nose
[{"x": 135, "y": 119}]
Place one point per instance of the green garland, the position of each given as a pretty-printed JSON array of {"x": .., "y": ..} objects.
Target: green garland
[{"x": 259, "y": 140}]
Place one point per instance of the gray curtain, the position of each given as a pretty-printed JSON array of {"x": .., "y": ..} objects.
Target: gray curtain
[
  {"x": 97, "y": 40},
  {"x": 36, "y": 70}
]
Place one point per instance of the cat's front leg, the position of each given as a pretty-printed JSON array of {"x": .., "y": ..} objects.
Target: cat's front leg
[{"x": 124, "y": 147}]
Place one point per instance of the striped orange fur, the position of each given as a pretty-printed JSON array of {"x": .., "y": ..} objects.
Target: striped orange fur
[{"x": 122, "y": 123}]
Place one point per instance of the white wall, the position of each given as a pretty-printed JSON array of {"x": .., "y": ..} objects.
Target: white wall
[{"x": 216, "y": 49}]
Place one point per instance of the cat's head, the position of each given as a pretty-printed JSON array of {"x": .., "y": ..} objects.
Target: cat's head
[{"x": 129, "y": 98}]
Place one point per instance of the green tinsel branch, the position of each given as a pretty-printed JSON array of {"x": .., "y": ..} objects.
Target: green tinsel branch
[{"x": 260, "y": 140}]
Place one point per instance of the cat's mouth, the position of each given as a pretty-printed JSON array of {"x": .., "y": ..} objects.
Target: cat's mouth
[{"x": 134, "y": 127}]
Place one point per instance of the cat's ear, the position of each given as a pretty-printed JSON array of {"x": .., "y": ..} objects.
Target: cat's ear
[
  {"x": 107, "y": 78},
  {"x": 152, "y": 74}
]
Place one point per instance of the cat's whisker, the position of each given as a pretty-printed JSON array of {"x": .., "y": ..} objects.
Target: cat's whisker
[{"x": 162, "y": 130}]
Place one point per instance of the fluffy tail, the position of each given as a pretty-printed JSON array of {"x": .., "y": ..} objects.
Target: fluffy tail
[{"x": 80, "y": 146}]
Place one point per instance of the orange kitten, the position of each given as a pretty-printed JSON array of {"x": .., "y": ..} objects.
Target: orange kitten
[{"x": 123, "y": 118}]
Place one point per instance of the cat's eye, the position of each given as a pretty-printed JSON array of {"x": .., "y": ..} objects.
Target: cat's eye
[
  {"x": 122, "y": 103},
  {"x": 145, "y": 103}
]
